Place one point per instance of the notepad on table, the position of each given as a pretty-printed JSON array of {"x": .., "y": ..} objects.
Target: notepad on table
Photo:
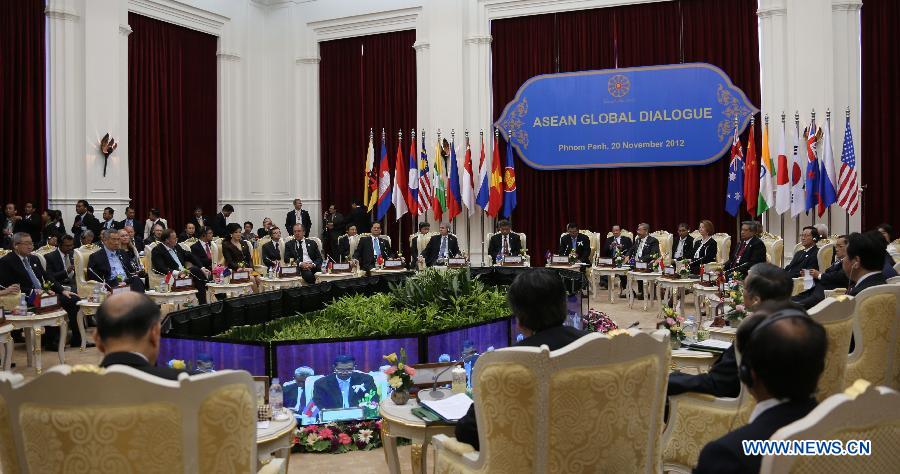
[
  {"x": 713, "y": 344},
  {"x": 450, "y": 409}
]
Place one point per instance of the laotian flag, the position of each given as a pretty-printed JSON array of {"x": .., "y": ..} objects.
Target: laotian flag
[{"x": 384, "y": 183}]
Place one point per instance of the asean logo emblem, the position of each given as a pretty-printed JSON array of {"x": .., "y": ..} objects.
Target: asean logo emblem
[
  {"x": 509, "y": 177},
  {"x": 618, "y": 86}
]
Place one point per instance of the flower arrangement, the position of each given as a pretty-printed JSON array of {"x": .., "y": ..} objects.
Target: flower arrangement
[
  {"x": 336, "y": 438},
  {"x": 598, "y": 321},
  {"x": 673, "y": 322},
  {"x": 656, "y": 263},
  {"x": 573, "y": 257},
  {"x": 618, "y": 259},
  {"x": 399, "y": 374},
  {"x": 734, "y": 299},
  {"x": 685, "y": 269},
  {"x": 177, "y": 364},
  {"x": 220, "y": 271}
]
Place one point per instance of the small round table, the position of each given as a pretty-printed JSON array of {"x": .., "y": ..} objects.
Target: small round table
[
  {"x": 271, "y": 284},
  {"x": 677, "y": 286},
  {"x": 320, "y": 277},
  {"x": 175, "y": 299},
  {"x": 274, "y": 441},
  {"x": 649, "y": 280},
  {"x": 725, "y": 333},
  {"x": 613, "y": 274},
  {"x": 7, "y": 342},
  {"x": 703, "y": 295},
  {"x": 230, "y": 290},
  {"x": 85, "y": 308},
  {"x": 397, "y": 421},
  {"x": 700, "y": 361},
  {"x": 34, "y": 325}
]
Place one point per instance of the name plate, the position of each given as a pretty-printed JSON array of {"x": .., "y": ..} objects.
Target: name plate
[
  {"x": 512, "y": 260},
  {"x": 393, "y": 263},
  {"x": 605, "y": 262},
  {"x": 456, "y": 262},
  {"x": 119, "y": 289},
  {"x": 183, "y": 283},
  {"x": 46, "y": 304},
  {"x": 669, "y": 271},
  {"x": 340, "y": 414},
  {"x": 287, "y": 272},
  {"x": 340, "y": 267},
  {"x": 559, "y": 260},
  {"x": 641, "y": 266},
  {"x": 240, "y": 277}
]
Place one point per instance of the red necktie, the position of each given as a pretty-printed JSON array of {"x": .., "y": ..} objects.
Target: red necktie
[
  {"x": 741, "y": 251},
  {"x": 208, "y": 253}
]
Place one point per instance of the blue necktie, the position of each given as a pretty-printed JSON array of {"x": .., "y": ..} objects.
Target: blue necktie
[
  {"x": 443, "y": 251},
  {"x": 377, "y": 245},
  {"x": 35, "y": 283}
]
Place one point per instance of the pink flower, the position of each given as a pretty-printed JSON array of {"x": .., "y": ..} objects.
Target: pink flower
[
  {"x": 739, "y": 307},
  {"x": 325, "y": 433},
  {"x": 670, "y": 321},
  {"x": 390, "y": 370},
  {"x": 411, "y": 371},
  {"x": 311, "y": 429},
  {"x": 680, "y": 319},
  {"x": 344, "y": 439}
]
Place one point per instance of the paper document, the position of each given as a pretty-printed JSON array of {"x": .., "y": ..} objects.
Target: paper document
[
  {"x": 452, "y": 408},
  {"x": 713, "y": 344}
]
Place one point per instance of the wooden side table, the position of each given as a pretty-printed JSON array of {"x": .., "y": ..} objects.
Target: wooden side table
[
  {"x": 7, "y": 342},
  {"x": 397, "y": 421},
  {"x": 34, "y": 325},
  {"x": 85, "y": 308},
  {"x": 613, "y": 275},
  {"x": 230, "y": 290},
  {"x": 649, "y": 280}
]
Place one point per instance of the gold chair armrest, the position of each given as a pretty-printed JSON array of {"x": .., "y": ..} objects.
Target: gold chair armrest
[
  {"x": 452, "y": 445},
  {"x": 696, "y": 419}
]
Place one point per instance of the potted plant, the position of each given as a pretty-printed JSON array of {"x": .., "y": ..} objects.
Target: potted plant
[
  {"x": 399, "y": 377},
  {"x": 675, "y": 324}
]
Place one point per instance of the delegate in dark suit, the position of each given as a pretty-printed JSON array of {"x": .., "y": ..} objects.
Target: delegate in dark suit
[
  {"x": 343, "y": 247},
  {"x": 234, "y": 256},
  {"x": 293, "y": 392},
  {"x": 365, "y": 251},
  {"x": 703, "y": 253},
  {"x": 327, "y": 392},
  {"x": 645, "y": 254},
  {"x": 31, "y": 224},
  {"x": 495, "y": 245},
  {"x": 135, "y": 360},
  {"x": 834, "y": 277},
  {"x": 873, "y": 279},
  {"x": 56, "y": 268},
  {"x": 720, "y": 381},
  {"x": 296, "y": 250},
  {"x": 291, "y": 219},
  {"x": 683, "y": 248},
  {"x": 12, "y": 271},
  {"x": 163, "y": 263},
  {"x": 745, "y": 255},
  {"x": 581, "y": 244},
  {"x": 270, "y": 254},
  {"x": 805, "y": 259},
  {"x": 99, "y": 267},
  {"x": 85, "y": 222},
  {"x": 623, "y": 244},
  {"x": 199, "y": 251},
  {"x": 555, "y": 338},
  {"x": 220, "y": 222},
  {"x": 726, "y": 454},
  {"x": 433, "y": 251},
  {"x": 197, "y": 222}
]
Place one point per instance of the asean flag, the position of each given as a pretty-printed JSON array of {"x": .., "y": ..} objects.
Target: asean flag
[{"x": 509, "y": 181}]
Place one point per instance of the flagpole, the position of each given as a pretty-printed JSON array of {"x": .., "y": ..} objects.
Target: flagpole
[
  {"x": 481, "y": 165},
  {"x": 384, "y": 217},
  {"x": 797, "y": 134},
  {"x": 468, "y": 211},
  {"x": 738, "y": 214},
  {"x": 765, "y": 217},
  {"x": 453, "y": 148},
  {"x": 809, "y": 130},
  {"x": 415, "y": 217},
  {"x": 366, "y": 204},
  {"x": 438, "y": 178},
  {"x": 781, "y": 215},
  {"x": 828, "y": 124},
  {"x": 399, "y": 218},
  {"x": 846, "y": 210}
]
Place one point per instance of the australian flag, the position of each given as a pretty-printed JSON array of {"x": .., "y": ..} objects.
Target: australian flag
[{"x": 735, "y": 195}]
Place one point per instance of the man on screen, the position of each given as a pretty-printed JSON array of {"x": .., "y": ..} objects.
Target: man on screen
[
  {"x": 345, "y": 388},
  {"x": 294, "y": 398}
]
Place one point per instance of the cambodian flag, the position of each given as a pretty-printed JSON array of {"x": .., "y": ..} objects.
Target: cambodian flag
[{"x": 384, "y": 183}]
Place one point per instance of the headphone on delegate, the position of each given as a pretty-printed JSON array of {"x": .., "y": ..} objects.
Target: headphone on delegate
[{"x": 744, "y": 369}]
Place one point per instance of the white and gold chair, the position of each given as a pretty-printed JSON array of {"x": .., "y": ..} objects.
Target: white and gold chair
[
  {"x": 836, "y": 315},
  {"x": 41, "y": 252},
  {"x": 487, "y": 240},
  {"x": 421, "y": 244},
  {"x": 665, "y": 243},
  {"x": 723, "y": 247},
  {"x": 623, "y": 233},
  {"x": 824, "y": 255},
  {"x": 862, "y": 412},
  {"x": 893, "y": 250},
  {"x": 876, "y": 352},
  {"x": 774, "y": 248},
  {"x": 82, "y": 254},
  {"x": 186, "y": 244},
  {"x": 531, "y": 406},
  {"x": 257, "y": 255},
  {"x": 592, "y": 238},
  {"x": 121, "y": 419}
]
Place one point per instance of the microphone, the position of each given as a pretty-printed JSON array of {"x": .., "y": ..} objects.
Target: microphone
[
  {"x": 732, "y": 269},
  {"x": 108, "y": 288},
  {"x": 462, "y": 362},
  {"x": 634, "y": 325}
]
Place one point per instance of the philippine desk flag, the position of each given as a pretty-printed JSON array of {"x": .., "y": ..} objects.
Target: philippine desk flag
[
  {"x": 509, "y": 182},
  {"x": 734, "y": 194},
  {"x": 384, "y": 183}
]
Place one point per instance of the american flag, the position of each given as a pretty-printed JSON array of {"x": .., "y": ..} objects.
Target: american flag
[
  {"x": 847, "y": 193},
  {"x": 425, "y": 190}
]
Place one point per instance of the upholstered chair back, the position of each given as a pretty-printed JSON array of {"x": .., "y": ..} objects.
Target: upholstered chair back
[
  {"x": 81, "y": 256},
  {"x": 522, "y": 238},
  {"x": 623, "y": 233},
  {"x": 893, "y": 250},
  {"x": 592, "y": 238},
  {"x": 257, "y": 255},
  {"x": 119, "y": 419},
  {"x": 862, "y": 412},
  {"x": 723, "y": 243},
  {"x": 696, "y": 234},
  {"x": 825, "y": 253},
  {"x": 836, "y": 315},
  {"x": 665, "y": 242},
  {"x": 876, "y": 355},
  {"x": 774, "y": 248},
  {"x": 39, "y": 253},
  {"x": 532, "y": 404},
  {"x": 422, "y": 242},
  {"x": 186, "y": 244}
]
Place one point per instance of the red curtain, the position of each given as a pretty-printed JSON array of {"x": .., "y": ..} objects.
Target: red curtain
[
  {"x": 364, "y": 82},
  {"x": 23, "y": 151},
  {"x": 171, "y": 119},
  {"x": 720, "y": 32},
  {"x": 880, "y": 103}
]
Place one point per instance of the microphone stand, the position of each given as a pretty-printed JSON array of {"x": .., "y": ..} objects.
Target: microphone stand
[
  {"x": 108, "y": 288},
  {"x": 434, "y": 394}
]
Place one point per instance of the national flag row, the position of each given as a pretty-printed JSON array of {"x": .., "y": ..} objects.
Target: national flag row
[
  {"x": 440, "y": 183},
  {"x": 805, "y": 175}
]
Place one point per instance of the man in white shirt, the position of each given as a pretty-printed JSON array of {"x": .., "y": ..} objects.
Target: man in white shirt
[
  {"x": 783, "y": 355},
  {"x": 684, "y": 243},
  {"x": 298, "y": 216},
  {"x": 441, "y": 247}
]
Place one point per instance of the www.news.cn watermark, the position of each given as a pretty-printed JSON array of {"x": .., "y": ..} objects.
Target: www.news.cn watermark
[{"x": 807, "y": 447}]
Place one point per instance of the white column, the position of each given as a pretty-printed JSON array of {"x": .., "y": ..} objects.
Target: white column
[
  {"x": 231, "y": 159},
  {"x": 65, "y": 102},
  {"x": 306, "y": 163}
]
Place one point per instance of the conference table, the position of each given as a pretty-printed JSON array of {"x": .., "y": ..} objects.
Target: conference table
[{"x": 612, "y": 274}]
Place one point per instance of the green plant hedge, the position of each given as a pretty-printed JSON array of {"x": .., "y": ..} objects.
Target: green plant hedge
[{"x": 431, "y": 300}]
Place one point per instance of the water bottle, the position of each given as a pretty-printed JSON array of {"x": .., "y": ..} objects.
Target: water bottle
[
  {"x": 690, "y": 329},
  {"x": 276, "y": 396},
  {"x": 22, "y": 308},
  {"x": 95, "y": 294}
]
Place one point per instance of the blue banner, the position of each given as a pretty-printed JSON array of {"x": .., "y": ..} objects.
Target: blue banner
[{"x": 673, "y": 115}]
